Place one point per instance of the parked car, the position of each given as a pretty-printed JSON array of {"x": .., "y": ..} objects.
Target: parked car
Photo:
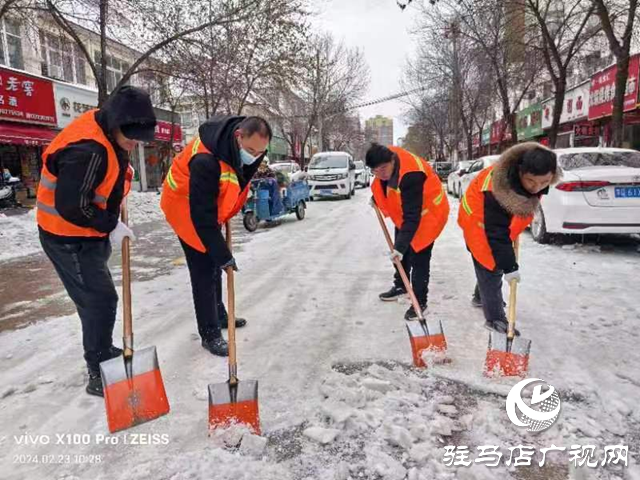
[
  {"x": 453, "y": 180},
  {"x": 363, "y": 175},
  {"x": 599, "y": 193},
  {"x": 473, "y": 170},
  {"x": 332, "y": 174},
  {"x": 443, "y": 169},
  {"x": 286, "y": 167}
]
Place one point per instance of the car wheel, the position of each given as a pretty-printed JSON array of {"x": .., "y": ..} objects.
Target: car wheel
[
  {"x": 539, "y": 227},
  {"x": 250, "y": 221},
  {"x": 300, "y": 211}
]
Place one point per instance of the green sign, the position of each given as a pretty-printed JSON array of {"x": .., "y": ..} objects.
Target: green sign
[
  {"x": 529, "y": 122},
  {"x": 278, "y": 146},
  {"x": 486, "y": 135}
]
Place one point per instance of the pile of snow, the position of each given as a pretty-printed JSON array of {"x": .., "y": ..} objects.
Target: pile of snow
[
  {"x": 19, "y": 233},
  {"x": 144, "y": 207},
  {"x": 385, "y": 422}
]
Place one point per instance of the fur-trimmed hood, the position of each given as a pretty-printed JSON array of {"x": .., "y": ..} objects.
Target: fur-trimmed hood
[{"x": 516, "y": 201}]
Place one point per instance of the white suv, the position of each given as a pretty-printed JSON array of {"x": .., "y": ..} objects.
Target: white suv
[{"x": 332, "y": 174}]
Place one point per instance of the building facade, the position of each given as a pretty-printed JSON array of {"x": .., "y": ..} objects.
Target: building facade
[
  {"x": 379, "y": 129},
  {"x": 46, "y": 82}
]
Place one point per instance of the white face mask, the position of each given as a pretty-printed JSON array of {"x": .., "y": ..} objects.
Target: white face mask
[{"x": 246, "y": 157}]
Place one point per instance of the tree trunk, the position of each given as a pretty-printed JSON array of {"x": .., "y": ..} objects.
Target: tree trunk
[
  {"x": 617, "y": 126},
  {"x": 103, "y": 92},
  {"x": 558, "y": 105}
]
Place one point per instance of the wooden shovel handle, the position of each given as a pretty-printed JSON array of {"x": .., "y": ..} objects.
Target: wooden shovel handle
[
  {"x": 231, "y": 313},
  {"x": 513, "y": 289},
  {"x": 126, "y": 287},
  {"x": 398, "y": 264}
]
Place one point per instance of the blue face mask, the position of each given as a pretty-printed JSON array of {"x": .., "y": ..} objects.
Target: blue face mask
[{"x": 246, "y": 157}]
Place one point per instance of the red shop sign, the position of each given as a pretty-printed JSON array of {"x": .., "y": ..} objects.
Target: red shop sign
[
  {"x": 496, "y": 131},
  {"x": 603, "y": 88},
  {"x": 586, "y": 130},
  {"x": 163, "y": 132},
  {"x": 28, "y": 99}
]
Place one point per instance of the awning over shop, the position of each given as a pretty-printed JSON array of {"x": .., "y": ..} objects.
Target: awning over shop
[{"x": 17, "y": 134}]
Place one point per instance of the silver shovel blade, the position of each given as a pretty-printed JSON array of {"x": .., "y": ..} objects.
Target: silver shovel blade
[
  {"x": 521, "y": 346},
  {"x": 500, "y": 343},
  {"x": 221, "y": 393},
  {"x": 429, "y": 328},
  {"x": 497, "y": 341},
  {"x": 142, "y": 361}
]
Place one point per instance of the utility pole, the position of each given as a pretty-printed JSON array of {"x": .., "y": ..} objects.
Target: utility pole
[{"x": 452, "y": 31}]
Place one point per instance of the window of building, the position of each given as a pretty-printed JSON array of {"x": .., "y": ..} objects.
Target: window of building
[
  {"x": 11, "y": 44},
  {"x": 115, "y": 69},
  {"x": 62, "y": 59}
]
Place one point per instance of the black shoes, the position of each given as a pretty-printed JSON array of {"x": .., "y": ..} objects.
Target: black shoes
[
  {"x": 476, "y": 302},
  {"x": 224, "y": 321},
  {"x": 217, "y": 346},
  {"x": 411, "y": 315},
  {"x": 500, "y": 327},
  {"x": 392, "y": 294},
  {"x": 94, "y": 386}
]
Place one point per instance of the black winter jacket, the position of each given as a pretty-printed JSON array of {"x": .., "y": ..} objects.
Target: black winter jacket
[
  {"x": 411, "y": 192},
  {"x": 82, "y": 166},
  {"x": 217, "y": 135}
]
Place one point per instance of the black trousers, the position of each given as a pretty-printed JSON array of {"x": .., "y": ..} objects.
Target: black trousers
[
  {"x": 489, "y": 287},
  {"x": 418, "y": 268},
  {"x": 206, "y": 286},
  {"x": 83, "y": 269}
]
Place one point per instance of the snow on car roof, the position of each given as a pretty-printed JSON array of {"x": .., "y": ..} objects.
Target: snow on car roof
[
  {"x": 566, "y": 151},
  {"x": 331, "y": 153}
]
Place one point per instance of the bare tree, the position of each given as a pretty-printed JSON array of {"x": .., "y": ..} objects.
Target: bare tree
[
  {"x": 615, "y": 16},
  {"x": 147, "y": 25},
  {"x": 498, "y": 28},
  {"x": 332, "y": 79},
  {"x": 446, "y": 58},
  {"x": 562, "y": 32}
]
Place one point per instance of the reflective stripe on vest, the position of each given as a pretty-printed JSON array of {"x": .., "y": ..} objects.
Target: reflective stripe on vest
[{"x": 171, "y": 181}]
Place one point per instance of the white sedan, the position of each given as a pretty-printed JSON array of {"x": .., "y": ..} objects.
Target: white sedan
[
  {"x": 599, "y": 193},
  {"x": 473, "y": 171},
  {"x": 363, "y": 176},
  {"x": 454, "y": 178}
]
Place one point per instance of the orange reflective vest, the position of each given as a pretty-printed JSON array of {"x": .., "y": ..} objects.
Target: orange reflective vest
[
  {"x": 175, "y": 194},
  {"x": 435, "y": 206},
  {"x": 82, "y": 128},
  {"x": 471, "y": 219}
]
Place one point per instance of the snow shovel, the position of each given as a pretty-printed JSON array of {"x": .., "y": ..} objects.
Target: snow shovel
[
  {"x": 234, "y": 401},
  {"x": 508, "y": 355},
  {"x": 423, "y": 334},
  {"x": 132, "y": 383}
]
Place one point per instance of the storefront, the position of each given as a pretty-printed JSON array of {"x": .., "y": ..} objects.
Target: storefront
[
  {"x": 500, "y": 136},
  {"x": 278, "y": 149},
  {"x": 159, "y": 153},
  {"x": 602, "y": 92},
  {"x": 27, "y": 122},
  {"x": 575, "y": 129},
  {"x": 529, "y": 123}
]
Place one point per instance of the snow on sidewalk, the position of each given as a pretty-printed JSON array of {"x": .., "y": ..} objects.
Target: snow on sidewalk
[
  {"x": 19, "y": 233},
  {"x": 338, "y": 396}
]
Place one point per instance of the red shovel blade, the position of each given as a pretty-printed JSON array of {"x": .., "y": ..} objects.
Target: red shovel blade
[
  {"x": 507, "y": 358},
  {"x": 426, "y": 336},
  {"x": 135, "y": 396},
  {"x": 234, "y": 405}
]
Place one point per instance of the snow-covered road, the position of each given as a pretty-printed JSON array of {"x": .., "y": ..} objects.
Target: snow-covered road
[{"x": 333, "y": 365}]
